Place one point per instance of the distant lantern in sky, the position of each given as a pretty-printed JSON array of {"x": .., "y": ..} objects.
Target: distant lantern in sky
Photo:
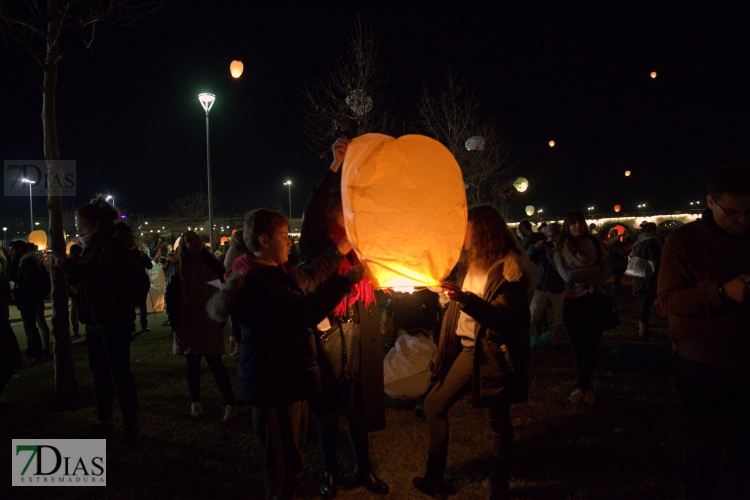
[
  {"x": 521, "y": 184},
  {"x": 653, "y": 74},
  {"x": 236, "y": 68},
  {"x": 552, "y": 144},
  {"x": 475, "y": 143},
  {"x": 530, "y": 210},
  {"x": 627, "y": 173},
  {"x": 618, "y": 208}
]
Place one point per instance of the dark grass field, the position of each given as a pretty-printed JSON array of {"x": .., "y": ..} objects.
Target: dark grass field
[{"x": 627, "y": 446}]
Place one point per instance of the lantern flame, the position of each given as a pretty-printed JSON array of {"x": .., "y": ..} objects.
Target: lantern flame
[
  {"x": 627, "y": 173},
  {"x": 653, "y": 74},
  {"x": 552, "y": 144},
  {"x": 236, "y": 68}
]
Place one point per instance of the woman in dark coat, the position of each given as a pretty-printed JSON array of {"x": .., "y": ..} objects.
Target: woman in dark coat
[
  {"x": 195, "y": 334},
  {"x": 360, "y": 398},
  {"x": 104, "y": 277},
  {"x": 484, "y": 346}
]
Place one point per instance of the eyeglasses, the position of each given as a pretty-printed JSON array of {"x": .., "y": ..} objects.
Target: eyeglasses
[
  {"x": 733, "y": 214},
  {"x": 81, "y": 226}
]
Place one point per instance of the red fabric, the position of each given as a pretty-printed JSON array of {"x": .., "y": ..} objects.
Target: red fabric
[{"x": 361, "y": 291}]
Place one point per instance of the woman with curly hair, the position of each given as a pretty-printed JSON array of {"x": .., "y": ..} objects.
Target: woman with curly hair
[
  {"x": 484, "y": 346},
  {"x": 581, "y": 261}
]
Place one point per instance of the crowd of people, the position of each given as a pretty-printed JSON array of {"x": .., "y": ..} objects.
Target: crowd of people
[{"x": 310, "y": 342}]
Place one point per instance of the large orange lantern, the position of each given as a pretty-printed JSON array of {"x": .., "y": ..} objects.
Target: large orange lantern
[
  {"x": 618, "y": 208},
  {"x": 236, "y": 69},
  {"x": 39, "y": 238},
  {"x": 404, "y": 209}
]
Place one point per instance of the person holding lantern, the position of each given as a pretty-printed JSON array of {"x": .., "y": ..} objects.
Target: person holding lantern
[
  {"x": 359, "y": 395},
  {"x": 484, "y": 345},
  {"x": 582, "y": 262}
]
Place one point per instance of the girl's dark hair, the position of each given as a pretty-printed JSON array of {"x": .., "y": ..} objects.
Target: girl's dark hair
[
  {"x": 181, "y": 254},
  {"x": 491, "y": 238},
  {"x": 99, "y": 210},
  {"x": 333, "y": 203},
  {"x": 261, "y": 221},
  {"x": 237, "y": 241},
  {"x": 566, "y": 236}
]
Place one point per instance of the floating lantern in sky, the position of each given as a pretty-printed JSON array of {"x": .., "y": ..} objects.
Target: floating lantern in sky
[
  {"x": 475, "y": 143},
  {"x": 236, "y": 68},
  {"x": 530, "y": 210},
  {"x": 627, "y": 173},
  {"x": 653, "y": 74},
  {"x": 552, "y": 144},
  {"x": 391, "y": 188},
  {"x": 39, "y": 238},
  {"x": 359, "y": 102},
  {"x": 521, "y": 184},
  {"x": 618, "y": 208}
]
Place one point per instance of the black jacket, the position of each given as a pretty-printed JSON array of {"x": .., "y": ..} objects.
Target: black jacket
[
  {"x": 33, "y": 282},
  {"x": 174, "y": 282},
  {"x": 551, "y": 280},
  {"x": 278, "y": 309},
  {"x": 103, "y": 283}
]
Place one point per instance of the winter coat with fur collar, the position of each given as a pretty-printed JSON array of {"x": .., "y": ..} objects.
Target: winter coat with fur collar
[{"x": 501, "y": 337}]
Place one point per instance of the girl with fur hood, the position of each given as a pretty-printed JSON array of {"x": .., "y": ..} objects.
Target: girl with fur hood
[
  {"x": 581, "y": 261},
  {"x": 484, "y": 345}
]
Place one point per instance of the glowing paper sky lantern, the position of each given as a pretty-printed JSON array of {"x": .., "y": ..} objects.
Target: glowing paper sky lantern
[
  {"x": 552, "y": 144},
  {"x": 521, "y": 184},
  {"x": 618, "y": 208},
  {"x": 67, "y": 247},
  {"x": 39, "y": 238},
  {"x": 475, "y": 143},
  {"x": 236, "y": 68},
  {"x": 530, "y": 210},
  {"x": 404, "y": 209},
  {"x": 653, "y": 74},
  {"x": 627, "y": 173}
]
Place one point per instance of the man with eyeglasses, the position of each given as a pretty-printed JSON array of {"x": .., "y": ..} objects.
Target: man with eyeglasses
[{"x": 703, "y": 287}]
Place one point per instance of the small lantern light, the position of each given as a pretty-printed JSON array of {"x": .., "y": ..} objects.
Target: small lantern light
[
  {"x": 552, "y": 144},
  {"x": 236, "y": 68},
  {"x": 521, "y": 184},
  {"x": 530, "y": 210},
  {"x": 618, "y": 208},
  {"x": 653, "y": 74},
  {"x": 627, "y": 173}
]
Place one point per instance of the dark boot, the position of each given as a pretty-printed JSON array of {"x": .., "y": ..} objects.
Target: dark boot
[
  {"x": 369, "y": 480},
  {"x": 432, "y": 483},
  {"x": 499, "y": 479},
  {"x": 328, "y": 488}
]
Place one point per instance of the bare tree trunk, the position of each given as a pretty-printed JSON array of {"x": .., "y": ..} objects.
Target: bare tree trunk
[{"x": 65, "y": 380}]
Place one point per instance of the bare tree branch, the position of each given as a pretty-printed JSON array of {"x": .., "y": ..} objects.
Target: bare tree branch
[{"x": 350, "y": 100}]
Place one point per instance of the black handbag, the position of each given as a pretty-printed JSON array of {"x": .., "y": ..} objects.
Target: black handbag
[
  {"x": 607, "y": 311},
  {"x": 340, "y": 346}
]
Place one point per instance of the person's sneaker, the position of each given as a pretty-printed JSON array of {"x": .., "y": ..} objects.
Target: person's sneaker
[
  {"x": 195, "y": 410},
  {"x": 230, "y": 413},
  {"x": 130, "y": 435},
  {"x": 589, "y": 398},
  {"x": 576, "y": 396},
  {"x": 100, "y": 431}
]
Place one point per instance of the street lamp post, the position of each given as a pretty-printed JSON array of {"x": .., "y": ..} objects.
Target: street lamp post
[
  {"x": 207, "y": 100},
  {"x": 31, "y": 203},
  {"x": 289, "y": 185},
  {"x": 641, "y": 207},
  {"x": 110, "y": 197},
  {"x": 590, "y": 209}
]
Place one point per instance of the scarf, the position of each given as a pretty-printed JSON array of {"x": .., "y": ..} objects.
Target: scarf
[
  {"x": 360, "y": 291},
  {"x": 585, "y": 255}
]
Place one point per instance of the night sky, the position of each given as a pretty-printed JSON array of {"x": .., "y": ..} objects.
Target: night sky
[{"x": 574, "y": 73}]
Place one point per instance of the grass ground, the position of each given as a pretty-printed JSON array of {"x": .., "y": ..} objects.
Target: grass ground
[{"x": 627, "y": 446}]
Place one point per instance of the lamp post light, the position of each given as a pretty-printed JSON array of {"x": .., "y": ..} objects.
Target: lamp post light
[
  {"x": 31, "y": 204},
  {"x": 694, "y": 203},
  {"x": 590, "y": 209},
  {"x": 641, "y": 207},
  {"x": 5, "y": 237},
  {"x": 110, "y": 197},
  {"x": 207, "y": 100},
  {"x": 289, "y": 185}
]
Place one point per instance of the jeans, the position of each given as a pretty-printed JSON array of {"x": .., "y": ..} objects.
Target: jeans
[
  {"x": 217, "y": 368},
  {"x": 327, "y": 425},
  {"x": 448, "y": 391},
  {"x": 716, "y": 405},
  {"x": 582, "y": 320},
  {"x": 43, "y": 327},
  {"x": 645, "y": 301},
  {"x": 282, "y": 432},
  {"x": 109, "y": 359},
  {"x": 538, "y": 305},
  {"x": 144, "y": 314},
  {"x": 33, "y": 339}
]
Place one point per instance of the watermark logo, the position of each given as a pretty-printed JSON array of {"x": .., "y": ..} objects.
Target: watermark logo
[
  {"x": 59, "y": 462},
  {"x": 33, "y": 178}
]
